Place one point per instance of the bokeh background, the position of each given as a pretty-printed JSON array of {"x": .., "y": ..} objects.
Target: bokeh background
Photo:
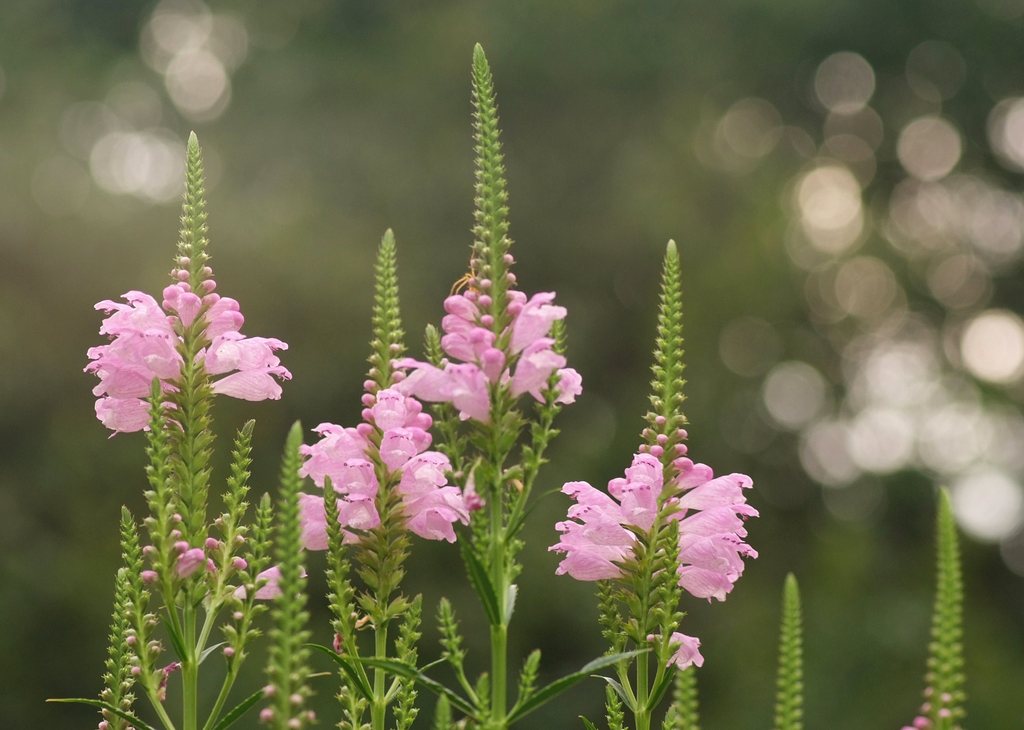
[{"x": 844, "y": 182}]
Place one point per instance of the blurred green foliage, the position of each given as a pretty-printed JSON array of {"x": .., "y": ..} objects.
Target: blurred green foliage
[{"x": 348, "y": 117}]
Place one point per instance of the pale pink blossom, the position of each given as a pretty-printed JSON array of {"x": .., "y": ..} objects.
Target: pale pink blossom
[
  {"x": 270, "y": 589},
  {"x": 144, "y": 347},
  {"x": 534, "y": 320},
  {"x": 570, "y": 385},
  {"x": 534, "y": 368},
  {"x": 328, "y": 455},
  {"x": 688, "y": 652},
  {"x": 711, "y": 514}
]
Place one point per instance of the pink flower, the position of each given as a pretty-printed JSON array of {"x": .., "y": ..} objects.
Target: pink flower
[
  {"x": 144, "y": 344},
  {"x": 270, "y": 589},
  {"x": 593, "y": 538},
  {"x": 327, "y": 457},
  {"x": 534, "y": 320},
  {"x": 536, "y": 364},
  {"x": 189, "y": 562},
  {"x": 711, "y": 514},
  {"x": 346, "y": 456},
  {"x": 570, "y": 385},
  {"x": 520, "y": 355},
  {"x": 688, "y": 654}
]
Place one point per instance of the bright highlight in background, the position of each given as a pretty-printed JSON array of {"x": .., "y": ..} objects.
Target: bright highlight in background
[
  {"x": 988, "y": 504},
  {"x": 992, "y": 346}
]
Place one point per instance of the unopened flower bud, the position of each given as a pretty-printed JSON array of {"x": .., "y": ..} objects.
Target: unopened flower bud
[
  {"x": 136, "y": 670},
  {"x": 239, "y": 563},
  {"x": 212, "y": 543},
  {"x": 149, "y": 551},
  {"x": 181, "y": 546},
  {"x": 148, "y": 576},
  {"x": 485, "y": 284},
  {"x": 657, "y": 451},
  {"x": 229, "y": 651},
  {"x": 295, "y": 699},
  {"x": 266, "y": 715},
  {"x": 370, "y": 386},
  {"x": 269, "y": 690},
  {"x": 485, "y": 300},
  {"x": 368, "y": 399},
  {"x": 487, "y": 320},
  {"x": 131, "y": 640},
  {"x": 509, "y": 259},
  {"x": 662, "y": 439},
  {"x": 175, "y": 534},
  {"x": 398, "y": 376},
  {"x": 237, "y": 615},
  {"x": 510, "y": 277}
]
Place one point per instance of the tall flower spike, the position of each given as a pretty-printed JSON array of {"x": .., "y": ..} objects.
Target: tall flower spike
[
  {"x": 666, "y": 419},
  {"x": 489, "y": 265},
  {"x": 288, "y": 666},
  {"x": 944, "y": 696},
  {"x": 388, "y": 338},
  {"x": 193, "y": 240},
  {"x": 789, "y": 702},
  {"x": 684, "y": 712}
]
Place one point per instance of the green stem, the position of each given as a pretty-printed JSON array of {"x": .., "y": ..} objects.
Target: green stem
[
  {"x": 499, "y": 631},
  {"x": 379, "y": 710},
  {"x": 222, "y": 696},
  {"x": 190, "y": 670}
]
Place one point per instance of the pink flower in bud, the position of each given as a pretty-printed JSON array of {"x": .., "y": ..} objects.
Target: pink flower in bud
[
  {"x": 239, "y": 563},
  {"x": 229, "y": 651},
  {"x": 336, "y": 643},
  {"x": 148, "y": 576},
  {"x": 180, "y": 546},
  {"x": 212, "y": 543},
  {"x": 189, "y": 562},
  {"x": 267, "y": 715}
]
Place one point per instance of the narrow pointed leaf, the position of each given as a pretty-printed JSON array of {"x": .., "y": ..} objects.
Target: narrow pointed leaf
[
  {"x": 346, "y": 666},
  {"x": 481, "y": 582},
  {"x": 139, "y": 724},
  {"x": 554, "y": 689},
  {"x": 408, "y": 672},
  {"x": 588, "y": 724},
  {"x": 238, "y": 710}
]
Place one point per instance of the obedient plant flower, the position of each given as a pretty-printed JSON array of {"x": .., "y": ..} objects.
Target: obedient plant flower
[
  {"x": 666, "y": 526},
  {"x": 147, "y": 340},
  {"x": 601, "y": 530},
  {"x": 159, "y": 372},
  {"x": 521, "y": 357},
  {"x": 394, "y": 438}
]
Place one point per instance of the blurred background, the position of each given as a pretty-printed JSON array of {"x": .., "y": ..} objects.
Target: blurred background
[{"x": 844, "y": 180}]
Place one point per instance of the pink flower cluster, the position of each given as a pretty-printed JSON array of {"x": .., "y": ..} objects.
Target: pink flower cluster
[
  {"x": 710, "y": 512},
  {"x": 144, "y": 345},
  {"x": 522, "y": 356},
  {"x": 348, "y": 456}
]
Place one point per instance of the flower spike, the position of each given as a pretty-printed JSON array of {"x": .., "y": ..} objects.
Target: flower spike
[{"x": 789, "y": 703}]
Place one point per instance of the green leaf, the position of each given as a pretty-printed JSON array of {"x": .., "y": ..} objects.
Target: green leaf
[
  {"x": 209, "y": 650},
  {"x": 588, "y": 724},
  {"x": 790, "y": 698},
  {"x": 139, "y": 724},
  {"x": 405, "y": 671},
  {"x": 346, "y": 666},
  {"x": 554, "y": 689},
  {"x": 617, "y": 687},
  {"x": 481, "y": 582},
  {"x": 510, "y": 602},
  {"x": 238, "y": 710},
  {"x": 174, "y": 636}
]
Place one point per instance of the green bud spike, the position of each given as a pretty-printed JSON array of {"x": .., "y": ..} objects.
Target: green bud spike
[
  {"x": 490, "y": 229},
  {"x": 192, "y": 242},
  {"x": 945, "y": 679},
  {"x": 288, "y": 666},
  {"x": 388, "y": 337},
  {"x": 790, "y": 697},
  {"x": 666, "y": 414},
  {"x": 684, "y": 713}
]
